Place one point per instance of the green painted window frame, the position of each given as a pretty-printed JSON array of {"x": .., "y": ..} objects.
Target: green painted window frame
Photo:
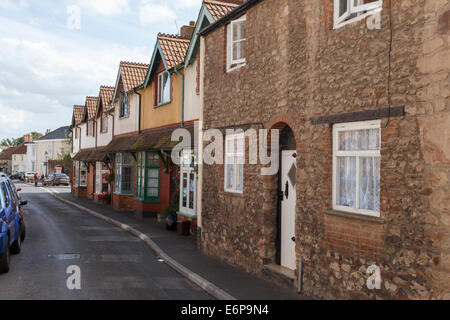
[{"x": 143, "y": 165}]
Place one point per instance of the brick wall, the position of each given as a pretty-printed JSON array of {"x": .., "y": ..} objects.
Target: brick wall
[{"x": 298, "y": 67}]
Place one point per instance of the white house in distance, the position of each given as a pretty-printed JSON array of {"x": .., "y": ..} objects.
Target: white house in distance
[
  {"x": 19, "y": 159},
  {"x": 48, "y": 147}
]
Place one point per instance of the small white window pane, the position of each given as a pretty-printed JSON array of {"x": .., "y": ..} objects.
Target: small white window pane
[
  {"x": 359, "y": 140},
  {"x": 343, "y": 7},
  {"x": 346, "y": 183},
  {"x": 369, "y": 192},
  {"x": 152, "y": 192}
]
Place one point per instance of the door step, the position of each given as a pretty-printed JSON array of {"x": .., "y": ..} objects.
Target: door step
[{"x": 279, "y": 275}]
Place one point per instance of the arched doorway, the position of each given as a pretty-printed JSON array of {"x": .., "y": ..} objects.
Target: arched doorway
[{"x": 287, "y": 200}]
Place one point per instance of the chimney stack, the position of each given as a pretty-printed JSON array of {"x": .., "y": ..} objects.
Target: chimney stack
[
  {"x": 186, "y": 32},
  {"x": 48, "y": 131},
  {"x": 27, "y": 138}
]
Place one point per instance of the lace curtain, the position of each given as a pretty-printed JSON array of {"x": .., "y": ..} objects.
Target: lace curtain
[{"x": 358, "y": 180}]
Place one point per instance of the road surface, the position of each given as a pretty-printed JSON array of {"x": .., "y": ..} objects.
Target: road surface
[{"x": 113, "y": 263}]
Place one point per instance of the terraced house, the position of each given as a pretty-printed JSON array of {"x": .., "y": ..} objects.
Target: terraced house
[
  {"x": 125, "y": 108},
  {"x": 359, "y": 93}
]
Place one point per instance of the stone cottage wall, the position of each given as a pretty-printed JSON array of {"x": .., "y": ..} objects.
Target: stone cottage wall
[{"x": 299, "y": 68}]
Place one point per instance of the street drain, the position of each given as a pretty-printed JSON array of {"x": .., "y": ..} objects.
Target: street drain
[{"x": 64, "y": 256}]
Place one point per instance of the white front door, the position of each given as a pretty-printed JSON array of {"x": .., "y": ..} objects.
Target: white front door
[{"x": 288, "y": 204}]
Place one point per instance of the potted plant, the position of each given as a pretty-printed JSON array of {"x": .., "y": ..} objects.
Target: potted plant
[{"x": 105, "y": 197}]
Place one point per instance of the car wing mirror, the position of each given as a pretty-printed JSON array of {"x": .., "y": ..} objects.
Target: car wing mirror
[{"x": 23, "y": 203}]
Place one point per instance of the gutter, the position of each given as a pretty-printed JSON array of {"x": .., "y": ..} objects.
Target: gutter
[
  {"x": 182, "y": 94},
  {"x": 235, "y": 13}
]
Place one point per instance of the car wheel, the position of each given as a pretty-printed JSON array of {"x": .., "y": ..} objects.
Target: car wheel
[
  {"x": 4, "y": 258},
  {"x": 23, "y": 231},
  {"x": 17, "y": 245}
]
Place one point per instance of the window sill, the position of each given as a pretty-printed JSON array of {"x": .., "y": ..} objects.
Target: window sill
[
  {"x": 239, "y": 66},
  {"x": 233, "y": 194},
  {"x": 162, "y": 105},
  {"x": 187, "y": 215},
  {"x": 143, "y": 200},
  {"x": 124, "y": 194},
  {"x": 125, "y": 117},
  {"x": 354, "y": 216}
]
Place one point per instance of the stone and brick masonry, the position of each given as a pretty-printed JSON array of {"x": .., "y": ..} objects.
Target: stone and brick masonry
[{"x": 299, "y": 68}]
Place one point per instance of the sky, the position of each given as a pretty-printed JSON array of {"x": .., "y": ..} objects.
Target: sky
[{"x": 54, "y": 53}]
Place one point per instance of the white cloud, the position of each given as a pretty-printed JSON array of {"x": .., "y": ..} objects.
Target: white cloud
[
  {"x": 42, "y": 76},
  {"x": 152, "y": 12},
  {"x": 13, "y": 4},
  {"x": 189, "y": 3},
  {"x": 106, "y": 7}
]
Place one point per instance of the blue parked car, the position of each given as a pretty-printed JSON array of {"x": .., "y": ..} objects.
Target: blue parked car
[{"x": 12, "y": 225}]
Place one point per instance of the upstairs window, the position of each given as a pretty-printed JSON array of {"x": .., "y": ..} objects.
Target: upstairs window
[
  {"x": 163, "y": 88},
  {"x": 104, "y": 123},
  {"x": 124, "y": 110},
  {"x": 90, "y": 128},
  {"x": 237, "y": 43},
  {"x": 347, "y": 11}
]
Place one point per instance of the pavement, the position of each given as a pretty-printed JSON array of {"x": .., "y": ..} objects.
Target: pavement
[
  {"x": 183, "y": 250},
  {"x": 113, "y": 264}
]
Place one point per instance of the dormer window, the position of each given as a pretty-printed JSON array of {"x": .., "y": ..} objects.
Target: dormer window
[
  {"x": 124, "y": 110},
  {"x": 163, "y": 88},
  {"x": 237, "y": 40},
  {"x": 104, "y": 126},
  {"x": 348, "y": 11},
  {"x": 90, "y": 128}
]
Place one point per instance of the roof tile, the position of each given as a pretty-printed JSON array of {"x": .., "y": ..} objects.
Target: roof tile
[
  {"x": 106, "y": 94},
  {"x": 91, "y": 105},
  {"x": 133, "y": 74},
  {"x": 78, "y": 113},
  {"x": 174, "y": 48},
  {"x": 220, "y": 8}
]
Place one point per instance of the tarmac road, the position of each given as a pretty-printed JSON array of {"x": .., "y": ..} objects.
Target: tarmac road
[{"x": 113, "y": 264}]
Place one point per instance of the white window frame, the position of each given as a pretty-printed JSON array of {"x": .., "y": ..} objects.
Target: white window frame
[
  {"x": 237, "y": 155},
  {"x": 104, "y": 128},
  {"x": 124, "y": 109},
  {"x": 186, "y": 168},
  {"x": 161, "y": 91},
  {"x": 337, "y": 153},
  {"x": 362, "y": 11},
  {"x": 90, "y": 128},
  {"x": 231, "y": 63}
]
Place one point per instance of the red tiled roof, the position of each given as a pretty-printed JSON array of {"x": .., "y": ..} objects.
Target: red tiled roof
[
  {"x": 133, "y": 74},
  {"x": 174, "y": 48},
  {"x": 78, "y": 113},
  {"x": 220, "y": 8},
  {"x": 22, "y": 149},
  {"x": 106, "y": 94},
  {"x": 7, "y": 153},
  {"x": 91, "y": 105}
]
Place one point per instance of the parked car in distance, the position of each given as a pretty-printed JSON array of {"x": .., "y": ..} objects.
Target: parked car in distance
[
  {"x": 3, "y": 175},
  {"x": 56, "y": 179},
  {"x": 29, "y": 177},
  {"x": 12, "y": 225},
  {"x": 17, "y": 176}
]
